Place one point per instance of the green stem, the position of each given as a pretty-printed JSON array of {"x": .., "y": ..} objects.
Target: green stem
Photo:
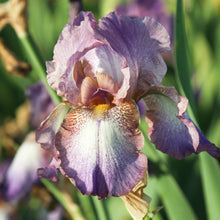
[
  {"x": 168, "y": 190},
  {"x": 71, "y": 208},
  {"x": 101, "y": 209},
  {"x": 183, "y": 70},
  {"x": 104, "y": 205},
  {"x": 37, "y": 64},
  {"x": 87, "y": 206}
]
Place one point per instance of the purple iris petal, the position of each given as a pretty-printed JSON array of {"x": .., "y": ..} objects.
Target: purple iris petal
[
  {"x": 142, "y": 108},
  {"x": 75, "y": 40},
  {"x": 153, "y": 8},
  {"x": 204, "y": 144},
  {"x": 126, "y": 49},
  {"x": 50, "y": 172},
  {"x": 41, "y": 103},
  {"x": 104, "y": 60},
  {"x": 22, "y": 173},
  {"x": 169, "y": 129},
  {"x": 140, "y": 42},
  {"x": 101, "y": 155}
]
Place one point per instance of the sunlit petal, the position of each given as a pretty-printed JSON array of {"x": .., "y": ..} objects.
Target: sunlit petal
[
  {"x": 75, "y": 40},
  {"x": 140, "y": 42},
  {"x": 101, "y": 155}
]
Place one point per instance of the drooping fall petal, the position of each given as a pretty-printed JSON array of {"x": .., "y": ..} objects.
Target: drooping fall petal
[
  {"x": 170, "y": 129},
  {"x": 99, "y": 149},
  {"x": 204, "y": 144}
]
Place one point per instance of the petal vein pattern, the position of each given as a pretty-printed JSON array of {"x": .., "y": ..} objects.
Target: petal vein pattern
[{"x": 101, "y": 155}]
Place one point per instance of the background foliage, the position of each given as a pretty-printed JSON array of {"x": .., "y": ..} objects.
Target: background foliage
[{"x": 187, "y": 189}]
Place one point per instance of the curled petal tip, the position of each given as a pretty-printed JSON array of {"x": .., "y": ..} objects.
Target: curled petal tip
[{"x": 48, "y": 173}]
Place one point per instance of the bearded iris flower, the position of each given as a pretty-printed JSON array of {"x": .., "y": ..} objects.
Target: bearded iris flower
[{"x": 102, "y": 70}]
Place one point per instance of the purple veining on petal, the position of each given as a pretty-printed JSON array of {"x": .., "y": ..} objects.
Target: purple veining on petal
[{"x": 101, "y": 155}]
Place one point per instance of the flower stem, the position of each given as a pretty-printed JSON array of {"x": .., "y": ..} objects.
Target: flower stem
[
  {"x": 68, "y": 204},
  {"x": 101, "y": 209},
  {"x": 37, "y": 64}
]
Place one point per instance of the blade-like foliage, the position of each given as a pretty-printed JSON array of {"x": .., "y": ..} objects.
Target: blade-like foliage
[{"x": 210, "y": 171}]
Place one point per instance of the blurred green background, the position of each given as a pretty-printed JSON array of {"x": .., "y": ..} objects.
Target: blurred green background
[{"x": 186, "y": 180}]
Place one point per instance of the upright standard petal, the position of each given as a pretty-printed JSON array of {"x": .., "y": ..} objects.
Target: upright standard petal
[
  {"x": 99, "y": 149},
  {"x": 153, "y": 8},
  {"x": 75, "y": 40},
  {"x": 126, "y": 49},
  {"x": 140, "y": 42},
  {"x": 105, "y": 60},
  {"x": 169, "y": 128}
]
